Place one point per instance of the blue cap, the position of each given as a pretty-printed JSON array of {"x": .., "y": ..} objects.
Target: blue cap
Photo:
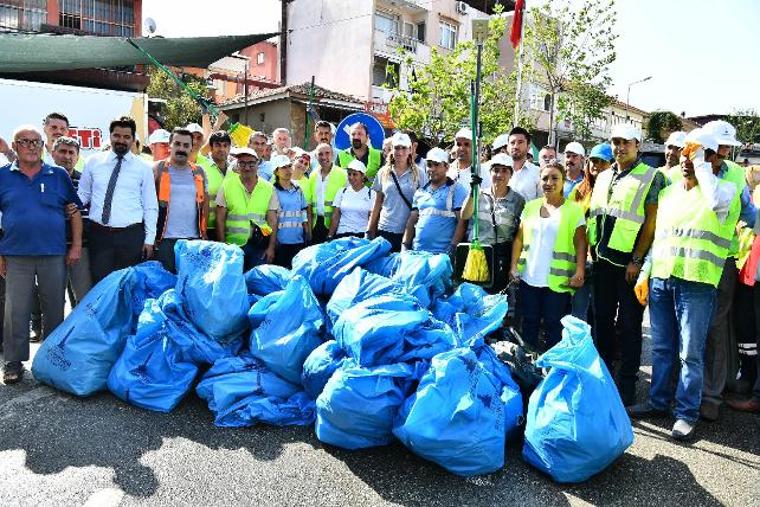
[{"x": 603, "y": 151}]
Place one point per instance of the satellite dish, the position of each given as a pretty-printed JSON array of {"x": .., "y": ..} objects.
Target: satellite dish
[
  {"x": 150, "y": 25},
  {"x": 374, "y": 130}
]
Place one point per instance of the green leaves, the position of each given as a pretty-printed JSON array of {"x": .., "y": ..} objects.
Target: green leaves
[
  {"x": 181, "y": 108},
  {"x": 660, "y": 125},
  {"x": 747, "y": 124}
]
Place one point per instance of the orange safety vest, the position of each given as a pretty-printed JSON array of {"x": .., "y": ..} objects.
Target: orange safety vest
[{"x": 163, "y": 189}]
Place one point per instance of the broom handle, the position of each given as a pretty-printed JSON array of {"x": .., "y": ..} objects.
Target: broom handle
[{"x": 475, "y": 165}]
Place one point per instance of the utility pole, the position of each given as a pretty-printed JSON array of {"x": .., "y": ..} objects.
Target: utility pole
[{"x": 284, "y": 42}]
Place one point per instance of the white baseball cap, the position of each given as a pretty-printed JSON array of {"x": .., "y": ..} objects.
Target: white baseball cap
[
  {"x": 357, "y": 165},
  {"x": 280, "y": 161},
  {"x": 677, "y": 138},
  {"x": 575, "y": 147},
  {"x": 704, "y": 138},
  {"x": 463, "y": 133},
  {"x": 401, "y": 139},
  {"x": 236, "y": 152},
  {"x": 194, "y": 128},
  {"x": 501, "y": 159},
  {"x": 723, "y": 131},
  {"x": 437, "y": 155},
  {"x": 159, "y": 136},
  {"x": 625, "y": 131},
  {"x": 500, "y": 141}
]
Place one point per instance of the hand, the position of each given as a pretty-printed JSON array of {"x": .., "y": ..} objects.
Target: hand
[
  {"x": 71, "y": 210},
  {"x": 514, "y": 274},
  {"x": 147, "y": 251},
  {"x": 220, "y": 120},
  {"x": 405, "y": 247},
  {"x": 269, "y": 255},
  {"x": 642, "y": 291},
  {"x": 632, "y": 273},
  {"x": 476, "y": 179},
  {"x": 576, "y": 281},
  {"x": 371, "y": 234},
  {"x": 3, "y": 267},
  {"x": 451, "y": 250},
  {"x": 75, "y": 253}
]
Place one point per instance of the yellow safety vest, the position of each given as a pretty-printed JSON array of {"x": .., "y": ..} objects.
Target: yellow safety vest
[
  {"x": 336, "y": 180},
  {"x": 242, "y": 208}
]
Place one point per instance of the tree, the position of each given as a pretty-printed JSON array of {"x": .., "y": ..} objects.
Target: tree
[
  {"x": 661, "y": 124},
  {"x": 568, "y": 53},
  {"x": 436, "y": 102},
  {"x": 747, "y": 124},
  {"x": 181, "y": 108}
]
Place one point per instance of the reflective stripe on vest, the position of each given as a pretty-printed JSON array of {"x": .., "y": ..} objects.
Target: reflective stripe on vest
[
  {"x": 694, "y": 234},
  {"x": 243, "y": 209},
  {"x": 336, "y": 180},
  {"x": 563, "y": 262},
  {"x": 448, "y": 212}
]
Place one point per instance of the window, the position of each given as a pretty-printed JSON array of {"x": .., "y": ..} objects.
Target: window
[
  {"x": 385, "y": 71},
  {"x": 24, "y": 15},
  {"x": 387, "y": 23},
  {"x": 101, "y": 17},
  {"x": 448, "y": 35},
  {"x": 260, "y": 58},
  {"x": 421, "y": 32}
]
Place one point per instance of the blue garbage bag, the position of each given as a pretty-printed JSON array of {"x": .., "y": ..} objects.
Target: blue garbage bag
[
  {"x": 241, "y": 391},
  {"x": 385, "y": 265},
  {"x": 212, "y": 288},
  {"x": 264, "y": 279},
  {"x": 460, "y": 415},
  {"x": 576, "y": 425},
  {"x": 418, "y": 269},
  {"x": 286, "y": 328},
  {"x": 151, "y": 372},
  {"x": 358, "y": 405},
  {"x": 320, "y": 365},
  {"x": 388, "y": 329},
  {"x": 78, "y": 355},
  {"x": 152, "y": 280},
  {"x": 195, "y": 346},
  {"x": 471, "y": 312},
  {"x": 361, "y": 285},
  {"x": 326, "y": 264}
]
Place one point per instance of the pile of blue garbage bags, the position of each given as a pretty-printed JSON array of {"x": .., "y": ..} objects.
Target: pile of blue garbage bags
[{"x": 367, "y": 346}]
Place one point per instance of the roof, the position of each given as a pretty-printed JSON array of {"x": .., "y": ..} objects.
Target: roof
[
  {"x": 300, "y": 92},
  {"x": 33, "y": 52},
  {"x": 628, "y": 107}
]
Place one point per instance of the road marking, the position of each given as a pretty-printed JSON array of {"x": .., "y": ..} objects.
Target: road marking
[{"x": 108, "y": 497}]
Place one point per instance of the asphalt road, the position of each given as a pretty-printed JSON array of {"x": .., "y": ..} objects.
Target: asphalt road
[{"x": 59, "y": 450}]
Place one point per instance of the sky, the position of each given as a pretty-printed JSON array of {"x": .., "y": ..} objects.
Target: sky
[{"x": 702, "y": 59}]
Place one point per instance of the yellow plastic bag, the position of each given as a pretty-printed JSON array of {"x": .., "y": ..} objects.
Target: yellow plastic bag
[{"x": 240, "y": 134}]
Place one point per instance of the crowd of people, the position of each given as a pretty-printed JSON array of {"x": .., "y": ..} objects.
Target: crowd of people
[{"x": 597, "y": 235}]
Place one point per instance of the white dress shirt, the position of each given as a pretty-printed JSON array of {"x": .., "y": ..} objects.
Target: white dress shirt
[
  {"x": 527, "y": 181},
  {"x": 134, "y": 197},
  {"x": 464, "y": 177}
]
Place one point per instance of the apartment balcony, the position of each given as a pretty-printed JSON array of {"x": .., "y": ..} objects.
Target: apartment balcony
[
  {"x": 410, "y": 6},
  {"x": 393, "y": 45}
]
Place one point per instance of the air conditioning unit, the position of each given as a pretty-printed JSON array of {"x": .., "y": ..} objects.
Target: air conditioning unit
[{"x": 461, "y": 7}]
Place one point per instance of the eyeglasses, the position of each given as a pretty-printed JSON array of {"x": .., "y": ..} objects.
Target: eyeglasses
[
  {"x": 250, "y": 165},
  {"x": 30, "y": 143}
]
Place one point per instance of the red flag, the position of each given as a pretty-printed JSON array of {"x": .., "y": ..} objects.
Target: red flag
[{"x": 515, "y": 35}]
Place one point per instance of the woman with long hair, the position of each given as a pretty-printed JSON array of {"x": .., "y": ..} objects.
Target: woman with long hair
[{"x": 394, "y": 186}]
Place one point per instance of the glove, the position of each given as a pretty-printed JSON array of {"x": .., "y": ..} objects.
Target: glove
[
  {"x": 477, "y": 180},
  {"x": 641, "y": 289}
]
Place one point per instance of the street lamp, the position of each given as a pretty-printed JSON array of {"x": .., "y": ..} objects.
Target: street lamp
[{"x": 628, "y": 95}]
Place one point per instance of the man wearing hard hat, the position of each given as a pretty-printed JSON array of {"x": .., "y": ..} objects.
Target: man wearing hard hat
[
  {"x": 721, "y": 346},
  {"x": 673, "y": 147},
  {"x": 622, "y": 215},
  {"x": 685, "y": 266},
  {"x": 460, "y": 170}
]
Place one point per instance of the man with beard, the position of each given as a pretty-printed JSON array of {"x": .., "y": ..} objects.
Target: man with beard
[
  {"x": 460, "y": 171},
  {"x": 575, "y": 158},
  {"x": 673, "y": 147},
  {"x": 546, "y": 155},
  {"x": 182, "y": 199},
  {"x": 323, "y": 134},
  {"x": 361, "y": 150},
  {"x": 120, "y": 191},
  {"x": 525, "y": 180}
]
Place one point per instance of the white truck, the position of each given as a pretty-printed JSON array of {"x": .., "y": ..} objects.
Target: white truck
[{"x": 89, "y": 110}]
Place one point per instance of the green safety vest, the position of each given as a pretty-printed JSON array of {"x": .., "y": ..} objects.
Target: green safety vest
[
  {"x": 242, "y": 208},
  {"x": 626, "y": 204},
  {"x": 563, "y": 265},
  {"x": 214, "y": 179},
  {"x": 735, "y": 175},
  {"x": 373, "y": 162},
  {"x": 689, "y": 243},
  {"x": 336, "y": 180}
]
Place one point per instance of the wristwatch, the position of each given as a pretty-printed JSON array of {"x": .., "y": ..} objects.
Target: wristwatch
[{"x": 638, "y": 261}]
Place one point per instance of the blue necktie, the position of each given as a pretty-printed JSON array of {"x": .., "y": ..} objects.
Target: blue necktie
[{"x": 110, "y": 190}]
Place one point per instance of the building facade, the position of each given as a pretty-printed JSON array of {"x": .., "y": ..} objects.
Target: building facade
[{"x": 120, "y": 18}]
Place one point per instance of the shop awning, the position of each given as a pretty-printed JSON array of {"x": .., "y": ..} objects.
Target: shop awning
[{"x": 23, "y": 52}]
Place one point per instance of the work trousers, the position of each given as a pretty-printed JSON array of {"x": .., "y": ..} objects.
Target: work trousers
[
  {"x": 285, "y": 252},
  {"x": 79, "y": 279},
  {"x": 393, "y": 238},
  {"x": 320, "y": 231},
  {"x": 114, "y": 248},
  {"x": 541, "y": 304},
  {"x": 50, "y": 272}
]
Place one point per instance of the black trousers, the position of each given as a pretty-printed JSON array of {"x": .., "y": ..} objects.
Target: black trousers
[
  {"x": 614, "y": 296},
  {"x": 114, "y": 248},
  {"x": 319, "y": 232},
  {"x": 284, "y": 254},
  {"x": 393, "y": 238}
]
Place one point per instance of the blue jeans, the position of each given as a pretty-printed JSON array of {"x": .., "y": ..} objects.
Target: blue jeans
[
  {"x": 582, "y": 297},
  {"x": 680, "y": 313},
  {"x": 542, "y": 304}
]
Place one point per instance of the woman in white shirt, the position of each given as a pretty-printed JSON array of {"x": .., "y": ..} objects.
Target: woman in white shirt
[
  {"x": 549, "y": 257},
  {"x": 352, "y": 204}
]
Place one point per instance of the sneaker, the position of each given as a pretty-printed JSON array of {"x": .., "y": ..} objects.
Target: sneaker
[
  {"x": 643, "y": 410},
  {"x": 682, "y": 430},
  {"x": 709, "y": 412}
]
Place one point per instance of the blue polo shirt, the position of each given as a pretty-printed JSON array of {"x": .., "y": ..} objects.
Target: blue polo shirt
[
  {"x": 437, "y": 215},
  {"x": 34, "y": 215},
  {"x": 291, "y": 215}
]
